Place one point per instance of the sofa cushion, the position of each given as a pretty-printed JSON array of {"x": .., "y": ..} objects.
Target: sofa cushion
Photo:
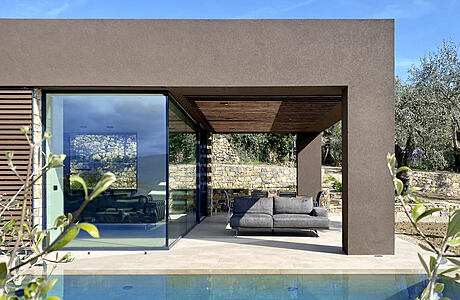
[
  {"x": 243, "y": 205},
  {"x": 251, "y": 220},
  {"x": 319, "y": 212},
  {"x": 299, "y": 221},
  {"x": 293, "y": 205}
]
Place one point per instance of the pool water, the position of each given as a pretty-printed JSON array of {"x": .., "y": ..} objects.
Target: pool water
[{"x": 242, "y": 287}]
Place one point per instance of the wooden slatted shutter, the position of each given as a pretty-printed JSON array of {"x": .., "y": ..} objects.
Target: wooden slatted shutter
[{"x": 15, "y": 112}]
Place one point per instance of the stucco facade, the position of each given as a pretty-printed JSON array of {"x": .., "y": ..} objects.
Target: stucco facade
[{"x": 351, "y": 61}]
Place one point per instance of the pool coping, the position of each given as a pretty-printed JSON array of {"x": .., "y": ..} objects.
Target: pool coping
[{"x": 234, "y": 271}]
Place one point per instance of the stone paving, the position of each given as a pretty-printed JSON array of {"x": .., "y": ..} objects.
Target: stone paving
[{"x": 211, "y": 248}]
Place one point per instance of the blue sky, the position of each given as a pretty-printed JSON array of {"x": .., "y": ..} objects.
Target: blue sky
[{"x": 421, "y": 25}]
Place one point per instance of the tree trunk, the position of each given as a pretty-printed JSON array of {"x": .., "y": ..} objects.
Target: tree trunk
[
  {"x": 404, "y": 158},
  {"x": 456, "y": 145}
]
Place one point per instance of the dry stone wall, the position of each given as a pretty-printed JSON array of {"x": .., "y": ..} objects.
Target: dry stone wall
[
  {"x": 222, "y": 151},
  {"x": 437, "y": 185},
  {"x": 237, "y": 180}
]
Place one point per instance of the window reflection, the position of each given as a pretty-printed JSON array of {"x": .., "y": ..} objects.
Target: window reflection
[
  {"x": 121, "y": 133},
  {"x": 182, "y": 173}
]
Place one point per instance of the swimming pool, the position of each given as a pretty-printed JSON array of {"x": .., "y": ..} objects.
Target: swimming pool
[{"x": 242, "y": 287}]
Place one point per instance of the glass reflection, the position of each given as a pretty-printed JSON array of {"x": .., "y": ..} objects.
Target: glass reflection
[
  {"x": 182, "y": 173},
  {"x": 121, "y": 133}
]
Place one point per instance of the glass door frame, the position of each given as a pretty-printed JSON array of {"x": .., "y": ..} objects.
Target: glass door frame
[
  {"x": 200, "y": 132},
  {"x": 106, "y": 91}
]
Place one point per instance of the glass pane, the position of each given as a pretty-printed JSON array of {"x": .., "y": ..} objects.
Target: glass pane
[
  {"x": 182, "y": 173},
  {"x": 121, "y": 133}
]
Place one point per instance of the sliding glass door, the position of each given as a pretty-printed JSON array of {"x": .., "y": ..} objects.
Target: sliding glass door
[
  {"x": 124, "y": 133},
  {"x": 182, "y": 173}
]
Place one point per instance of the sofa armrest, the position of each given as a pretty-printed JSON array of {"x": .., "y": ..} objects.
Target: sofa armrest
[{"x": 319, "y": 212}]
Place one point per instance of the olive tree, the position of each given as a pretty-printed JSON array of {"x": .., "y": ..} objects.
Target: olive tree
[
  {"x": 331, "y": 142},
  {"x": 26, "y": 245},
  {"x": 451, "y": 238},
  {"x": 429, "y": 109}
]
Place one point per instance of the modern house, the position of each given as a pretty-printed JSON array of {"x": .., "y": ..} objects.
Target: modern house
[{"x": 140, "y": 97}]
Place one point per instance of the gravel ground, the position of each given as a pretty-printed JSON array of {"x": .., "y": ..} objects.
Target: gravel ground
[{"x": 433, "y": 230}]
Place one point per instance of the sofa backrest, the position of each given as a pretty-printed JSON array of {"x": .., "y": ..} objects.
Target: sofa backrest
[
  {"x": 243, "y": 205},
  {"x": 293, "y": 205}
]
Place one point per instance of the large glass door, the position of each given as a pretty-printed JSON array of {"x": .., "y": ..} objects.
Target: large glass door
[
  {"x": 124, "y": 133},
  {"x": 202, "y": 174},
  {"x": 182, "y": 173}
]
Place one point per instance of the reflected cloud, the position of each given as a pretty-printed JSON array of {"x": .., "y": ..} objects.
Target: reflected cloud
[{"x": 142, "y": 115}]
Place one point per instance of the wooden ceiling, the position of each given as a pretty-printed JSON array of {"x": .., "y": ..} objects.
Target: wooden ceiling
[{"x": 275, "y": 114}]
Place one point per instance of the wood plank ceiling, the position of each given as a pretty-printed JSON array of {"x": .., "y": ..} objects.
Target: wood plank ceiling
[{"x": 249, "y": 114}]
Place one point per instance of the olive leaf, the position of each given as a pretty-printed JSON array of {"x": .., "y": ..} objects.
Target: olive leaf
[
  {"x": 454, "y": 242},
  {"x": 56, "y": 160},
  {"x": 90, "y": 228},
  {"x": 417, "y": 211},
  {"x": 425, "y": 266},
  {"x": 426, "y": 248},
  {"x": 103, "y": 184},
  {"x": 3, "y": 272},
  {"x": 432, "y": 263},
  {"x": 65, "y": 238},
  {"x": 81, "y": 181},
  {"x": 438, "y": 287},
  {"x": 428, "y": 213},
  {"x": 454, "y": 261},
  {"x": 402, "y": 169},
  {"x": 47, "y": 285},
  {"x": 454, "y": 224},
  {"x": 449, "y": 270},
  {"x": 410, "y": 190},
  {"x": 399, "y": 186},
  {"x": 31, "y": 290}
]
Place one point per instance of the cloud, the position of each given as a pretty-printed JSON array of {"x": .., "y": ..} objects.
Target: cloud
[
  {"x": 37, "y": 8},
  {"x": 271, "y": 11},
  {"x": 55, "y": 12},
  {"x": 406, "y": 62},
  {"x": 404, "y": 10}
]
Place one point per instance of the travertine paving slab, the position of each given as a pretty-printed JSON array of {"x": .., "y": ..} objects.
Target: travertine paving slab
[{"x": 211, "y": 248}]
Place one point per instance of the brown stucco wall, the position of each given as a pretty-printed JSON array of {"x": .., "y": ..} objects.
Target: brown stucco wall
[
  {"x": 230, "y": 56},
  {"x": 308, "y": 164},
  {"x": 157, "y": 53}
]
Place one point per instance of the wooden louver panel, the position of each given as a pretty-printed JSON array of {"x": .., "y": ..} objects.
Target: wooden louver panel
[{"x": 15, "y": 112}]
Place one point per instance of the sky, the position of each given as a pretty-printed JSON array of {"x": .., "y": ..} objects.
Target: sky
[{"x": 420, "y": 25}]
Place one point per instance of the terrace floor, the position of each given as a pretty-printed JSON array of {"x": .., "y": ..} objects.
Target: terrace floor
[{"x": 211, "y": 248}]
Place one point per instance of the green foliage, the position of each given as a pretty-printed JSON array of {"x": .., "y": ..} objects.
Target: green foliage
[
  {"x": 182, "y": 148},
  {"x": 331, "y": 150},
  {"x": 427, "y": 109},
  {"x": 25, "y": 237},
  {"x": 264, "y": 148},
  {"x": 336, "y": 184},
  {"x": 451, "y": 239},
  {"x": 65, "y": 238}
]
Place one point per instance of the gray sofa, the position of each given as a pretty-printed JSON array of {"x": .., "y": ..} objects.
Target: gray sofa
[{"x": 278, "y": 212}]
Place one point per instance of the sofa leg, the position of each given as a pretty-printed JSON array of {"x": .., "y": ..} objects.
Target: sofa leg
[
  {"x": 316, "y": 232},
  {"x": 273, "y": 231},
  {"x": 236, "y": 232}
]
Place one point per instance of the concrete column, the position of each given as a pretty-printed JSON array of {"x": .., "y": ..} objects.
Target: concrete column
[
  {"x": 308, "y": 164},
  {"x": 368, "y": 197}
]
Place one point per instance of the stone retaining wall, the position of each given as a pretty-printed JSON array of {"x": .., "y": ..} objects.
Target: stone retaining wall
[
  {"x": 240, "y": 180},
  {"x": 261, "y": 177},
  {"x": 438, "y": 185}
]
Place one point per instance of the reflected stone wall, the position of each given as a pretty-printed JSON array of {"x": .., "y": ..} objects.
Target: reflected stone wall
[
  {"x": 94, "y": 154},
  {"x": 235, "y": 176}
]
